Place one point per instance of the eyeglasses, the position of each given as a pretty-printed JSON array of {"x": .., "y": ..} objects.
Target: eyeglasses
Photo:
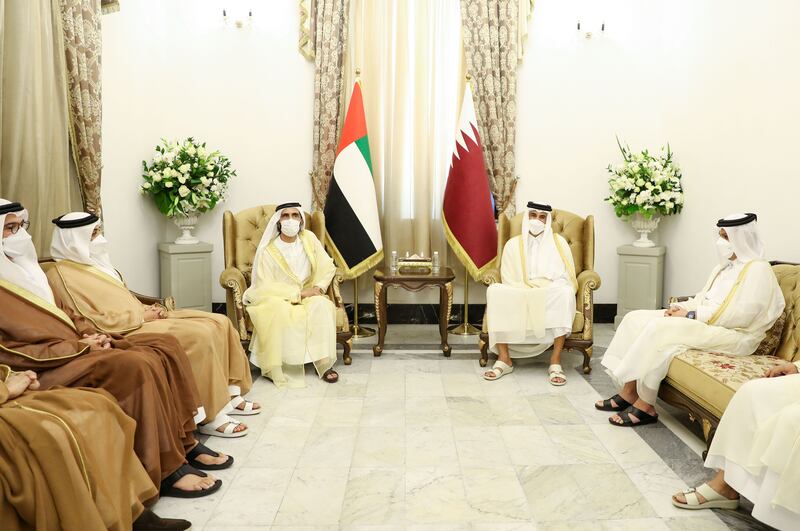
[{"x": 13, "y": 228}]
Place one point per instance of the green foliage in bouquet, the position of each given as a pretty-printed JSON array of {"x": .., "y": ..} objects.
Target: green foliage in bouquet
[
  {"x": 184, "y": 178},
  {"x": 645, "y": 183}
]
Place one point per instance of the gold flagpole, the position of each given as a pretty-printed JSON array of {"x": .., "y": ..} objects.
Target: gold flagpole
[
  {"x": 465, "y": 329},
  {"x": 358, "y": 331}
]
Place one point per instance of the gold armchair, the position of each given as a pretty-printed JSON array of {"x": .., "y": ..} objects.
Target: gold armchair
[
  {"x": 241, "y": 234},
  {"x": 579, "y": 233}
]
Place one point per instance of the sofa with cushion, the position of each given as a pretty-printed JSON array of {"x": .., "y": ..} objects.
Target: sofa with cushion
[{"x": 702, "y": 383}]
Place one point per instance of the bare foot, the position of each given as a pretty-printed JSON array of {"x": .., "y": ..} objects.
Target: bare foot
[
  {"x": 211, "y": 460},
  {"x": 639, "y": 404},
  {"x": 238, "y": 429},
  {"x": 191, "y": 482}
]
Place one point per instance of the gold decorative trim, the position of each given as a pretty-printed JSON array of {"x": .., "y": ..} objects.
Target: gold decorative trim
[
  {"x": 237, "y": 300},
  {"x": 77, "y": 306},
  {"x": 739, "y": 280},
  {"x": 361, "y": 268},
  {"x": 377, "y": 289},
  {"x": 38, "y": 302},
  {"x": 474, "y": 271},
  {"x": 306, "y": 43}
]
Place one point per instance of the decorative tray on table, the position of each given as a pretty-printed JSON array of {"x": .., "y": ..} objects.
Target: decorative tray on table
[{"x": 414, "y": 265}]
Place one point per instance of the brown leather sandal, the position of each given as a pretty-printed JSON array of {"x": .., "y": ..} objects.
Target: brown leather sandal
[{"x": 330, "y": 376}]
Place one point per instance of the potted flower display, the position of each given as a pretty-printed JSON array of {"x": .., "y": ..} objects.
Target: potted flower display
[
  {"x": 185, "y": 179},
  {"x": 645, "y": 187}
]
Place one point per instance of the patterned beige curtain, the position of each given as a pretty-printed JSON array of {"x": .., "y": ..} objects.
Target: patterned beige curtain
[
  {"x": 331, "y": 24},
  {"x": 82, "y": 46},
  {"x": 491, "y": 46}
]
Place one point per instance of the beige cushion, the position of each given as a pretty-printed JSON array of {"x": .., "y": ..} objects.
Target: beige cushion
[
  {"x": 789, "y": 281},
  {"x": 710, "y": 379},
  {"x": 772, "y": 339}
]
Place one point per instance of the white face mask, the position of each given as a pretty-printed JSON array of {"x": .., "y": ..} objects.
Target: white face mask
[
  {"x": 290, "y": 227},
  {"x": 99, "y": 245},
  {"x": 535, "y": 226},
  {"x": 724, "y": 248},
  {"x": 18, "y": 244}
]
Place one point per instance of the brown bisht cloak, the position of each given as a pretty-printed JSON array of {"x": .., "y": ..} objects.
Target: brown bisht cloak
[
  {"x": 148, "y": 375},
  {"x": 67, "y": 462},
  {"x": 96, "y": 301}
]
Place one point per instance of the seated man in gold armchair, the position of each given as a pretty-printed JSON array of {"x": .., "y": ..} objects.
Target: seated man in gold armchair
[{"x": 294, "y": 322}]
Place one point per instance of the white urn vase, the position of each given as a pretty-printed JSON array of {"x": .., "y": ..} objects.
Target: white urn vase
[
  {"x": 644, "y": 227},
  {"x": 186, "y": 224}
]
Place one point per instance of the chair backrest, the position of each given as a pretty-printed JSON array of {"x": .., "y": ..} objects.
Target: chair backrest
[
  {"x": 242, "y": 232},
  {"x": 578, "y": 231},
  {"x": 789, "y": 280}
]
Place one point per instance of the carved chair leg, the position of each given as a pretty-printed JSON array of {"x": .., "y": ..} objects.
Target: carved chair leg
[
  {"x": 587, "y": 357},
  {"x": 483, "y": 343},
  {"x": 347, "y": 345}
]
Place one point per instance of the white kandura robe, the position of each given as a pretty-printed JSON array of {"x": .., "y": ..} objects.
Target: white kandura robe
[
  {"x": 289, "y": 331},
  {"x": 527, "y": 311},
  {"x": 757, "y": 444},
  {"x": 647, "y": 340}
]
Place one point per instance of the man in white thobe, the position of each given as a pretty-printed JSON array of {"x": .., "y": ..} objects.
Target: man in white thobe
[
  {"x": 731, "y": 315},
  {"x": 756, "y": 450},
  {"x": 534, "y": 305},
  {"x": 294, "y": 323}
]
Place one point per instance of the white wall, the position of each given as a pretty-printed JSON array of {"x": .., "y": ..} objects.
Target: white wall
[
  {"x": 716, "y": 79},
  {"x": 171, "y": 68}
]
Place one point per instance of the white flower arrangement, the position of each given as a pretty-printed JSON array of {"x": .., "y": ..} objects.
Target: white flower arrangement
[
  {"x": 184, "y": 178},
  {"x": 645, "y": 183}
]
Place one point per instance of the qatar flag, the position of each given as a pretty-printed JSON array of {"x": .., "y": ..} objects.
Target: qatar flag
[{"x": 467, "y": 211}]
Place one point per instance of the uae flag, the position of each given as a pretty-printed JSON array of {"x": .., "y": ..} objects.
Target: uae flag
[
  {"x": 467, "y": 212},
  {"x": 351, "y": 208}
]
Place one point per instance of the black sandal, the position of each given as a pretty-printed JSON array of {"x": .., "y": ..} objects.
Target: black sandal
[
  {"x": 202, "y": 449},
  {"x": 168, "y": 484},
  {"x": 334, "y": 376},
  {"x": 622, "y": 404},
  {"x": 643, "y": 416}
]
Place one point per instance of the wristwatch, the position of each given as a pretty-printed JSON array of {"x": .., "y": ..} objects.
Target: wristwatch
[{"x": 691, "y": 315}]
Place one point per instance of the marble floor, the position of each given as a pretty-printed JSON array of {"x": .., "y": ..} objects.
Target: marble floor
[{"x": 412, "y": 440}]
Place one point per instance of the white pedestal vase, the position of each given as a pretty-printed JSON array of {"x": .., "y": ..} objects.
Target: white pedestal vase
[
  {"x": 186, "y": 224},
  {"x": 644, "y": 227}
]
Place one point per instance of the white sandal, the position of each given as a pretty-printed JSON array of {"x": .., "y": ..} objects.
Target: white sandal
[
  {"x": 555, "y": 371},
  {"x": 229, "y": 432},
  {"x": 714, "y": 500},
  {"x": 248, "y": 407},
  {"x": 499, "y": 369}
]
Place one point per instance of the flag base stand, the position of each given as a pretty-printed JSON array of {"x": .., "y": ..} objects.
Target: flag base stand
[
  {"x": 361, "y": 331},
  {"x": 358, "y": 331},
  {"x": 465, "y": 329}
]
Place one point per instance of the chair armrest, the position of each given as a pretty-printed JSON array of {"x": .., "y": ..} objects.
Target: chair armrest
[
  {"x": 232, "y": 279},
  {"x": 588, "y": 282},
  {"x": 490, "y": 276},
  {"x": 673, "y": 300},
  {"x": 333, "y": 289},
  {"x": 166, "y": 302}
]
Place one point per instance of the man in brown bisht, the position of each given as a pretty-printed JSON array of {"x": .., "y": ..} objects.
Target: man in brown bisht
[
  {"x": 67, "y": 461},
  {"x": 93, "y": 294},
  {"x": 148, "y": 375}
]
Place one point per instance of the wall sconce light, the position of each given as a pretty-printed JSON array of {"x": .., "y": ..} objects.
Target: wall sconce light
[
  {"x": 239, "y": 18},
  {"x": 588, "y": 34}
]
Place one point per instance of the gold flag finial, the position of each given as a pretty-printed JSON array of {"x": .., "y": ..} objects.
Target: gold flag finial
[{"x": 358, "y": 71}]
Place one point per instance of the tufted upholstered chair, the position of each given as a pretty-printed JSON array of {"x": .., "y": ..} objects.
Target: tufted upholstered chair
[
  {"x": 579, "y": 233},
  {"x": 241, "y": 234}
]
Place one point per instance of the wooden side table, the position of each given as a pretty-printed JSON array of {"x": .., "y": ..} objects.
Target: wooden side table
[{"x": 443, "y": 279}]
